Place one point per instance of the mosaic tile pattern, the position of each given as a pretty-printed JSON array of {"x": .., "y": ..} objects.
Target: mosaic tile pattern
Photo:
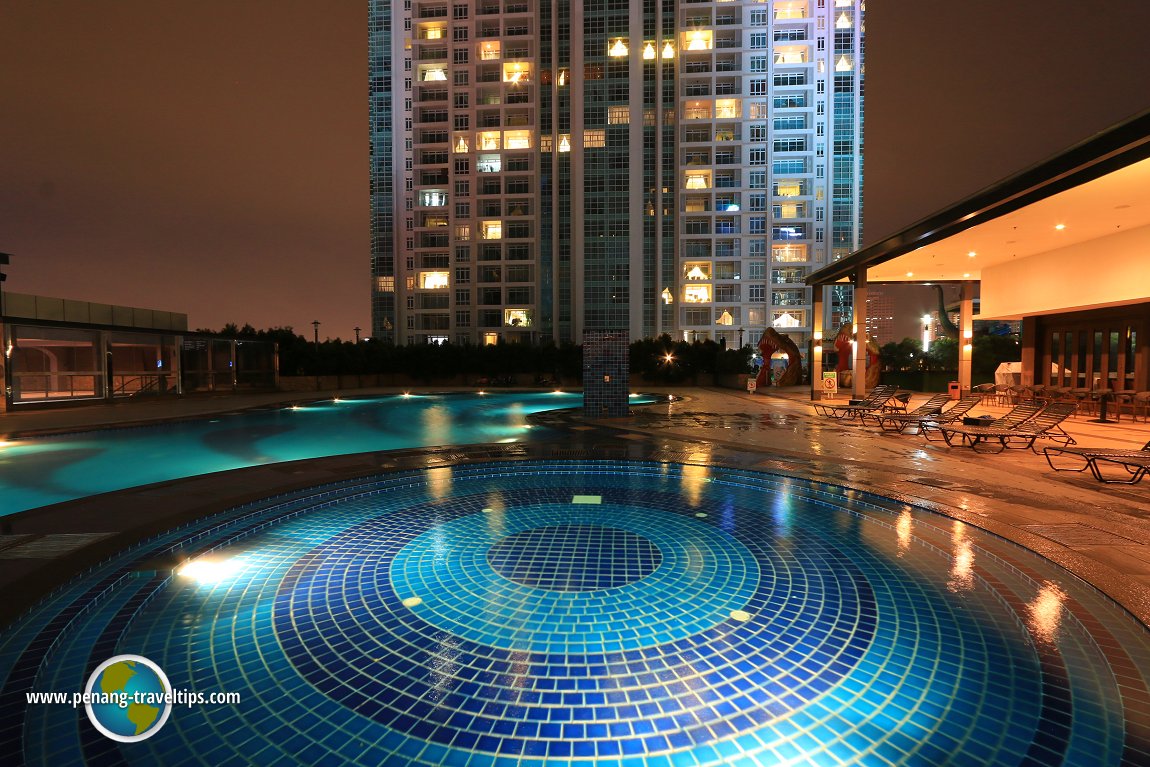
[
  {"x": 574, "y": 557},
  {"x": 785, "y": 622}
]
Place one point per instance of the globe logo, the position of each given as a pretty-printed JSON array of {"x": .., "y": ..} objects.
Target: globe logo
[{"x": 128, "y": 698}]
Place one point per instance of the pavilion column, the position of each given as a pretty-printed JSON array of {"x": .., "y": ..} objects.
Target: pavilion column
[
  {"x": 817, "y": 342},
  {"x": 5, "y": 372},
  {"x": 859, "y": 373},
  {"x": 966, "y": 336}
]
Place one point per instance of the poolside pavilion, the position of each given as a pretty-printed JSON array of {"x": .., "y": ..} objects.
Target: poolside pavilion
[{"x": 1063, "y": 245}]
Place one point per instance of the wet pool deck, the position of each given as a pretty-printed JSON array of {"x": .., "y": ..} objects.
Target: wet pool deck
[{"x": 1100, "y": 532}]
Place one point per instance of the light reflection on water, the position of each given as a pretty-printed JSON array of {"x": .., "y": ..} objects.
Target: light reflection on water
[{"x": 40, "y": 471}]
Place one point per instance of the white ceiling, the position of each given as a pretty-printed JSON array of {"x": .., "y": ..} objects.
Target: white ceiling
[{"x": 1115, "y": 202}]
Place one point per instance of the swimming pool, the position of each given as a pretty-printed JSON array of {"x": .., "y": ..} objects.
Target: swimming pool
[
  {"x": 578, "y": 613},
  {"x": 44, "y": 470}
]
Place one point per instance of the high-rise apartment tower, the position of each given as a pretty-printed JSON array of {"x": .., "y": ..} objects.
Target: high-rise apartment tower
[{"x": 541, "y": 168}]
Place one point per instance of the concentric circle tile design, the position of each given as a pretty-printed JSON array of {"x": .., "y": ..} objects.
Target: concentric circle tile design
[
  {"x": 574, "y": 557},
  {"x": 493, "y": 615}
]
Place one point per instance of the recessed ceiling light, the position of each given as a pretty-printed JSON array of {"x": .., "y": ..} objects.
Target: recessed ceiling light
[
  {"x": 1060, "y": 227},
  {"x": 972, "y": 254},
  {"x": 966, "y": 274},
  {"x": 910, "y": 274}
]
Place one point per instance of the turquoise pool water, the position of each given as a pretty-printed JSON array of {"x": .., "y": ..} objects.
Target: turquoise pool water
[
  {"x": 43, "y": 470},
  {"x": 590, "y": 614}
]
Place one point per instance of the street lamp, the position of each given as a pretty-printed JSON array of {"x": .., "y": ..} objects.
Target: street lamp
[
  {"x": 740, "y": 338},
  {"x": 357, "y": 329},
  {"x": 315, "y": 328}
]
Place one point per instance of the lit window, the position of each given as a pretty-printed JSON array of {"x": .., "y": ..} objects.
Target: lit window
[
  {"x": 698, "y": 110},
  {"x": 433, "y": 280},
  {"x": 545, "y": 143},
  {"x": 725, "y": 318},
  {"x": 697, "y": 294},
  {"x": 728, "y": 109},
  {"x": 490, "y": 50},
  {"x": 649, "y": 51},
  {"x": 433, "y": 198},
  {"x": 698, "y": 179},
  {"x": 844, "y": 64},
  {"x": 463, "y": 232},
  {"x": 489, "y": 139},
  {"x": 594, "y": 138},
  {"x": 791, "y": 54},
  {"x": 430, "y": 73},
  {"x": 492, "y": 230},
  {"x": 618, "y": 115},
  {"x": 432, "y": 31},
  {"x": 460, "y": 144},
  {"x": 385, "y": 284},
  {"x": 699, "y": 271},
  {"x": 489, "y": 163},
  {"x": 618, "y": 48},
  {"x": 788, "y": 189},
  {"x": 697, "y": 40},
  {"x": 787, "y": 319},
  {"x": 516, "y": 73},
  {"x": 490, "y": 339},
  {"x": 517, "y": 318},
  {"x": 844, "y": 21},
  {"x": 517, "y": 139},
  {"x": 565, "y": 142},
  {"x": 788, "y": 253}
]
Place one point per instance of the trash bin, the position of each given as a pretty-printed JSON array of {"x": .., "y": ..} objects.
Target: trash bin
[{"x": 953, "y": 390}]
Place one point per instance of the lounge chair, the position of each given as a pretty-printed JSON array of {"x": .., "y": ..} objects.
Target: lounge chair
[
  {"x": 1044, "y": 424},
  {"x": 1136, "y": 462},
  {"x": 873, "y": 402},
  {"x": 931, "y": 410},
  {"x": 1016, "y": 415}
]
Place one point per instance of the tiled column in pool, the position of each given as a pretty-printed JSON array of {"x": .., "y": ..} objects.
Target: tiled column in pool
[{"x": 579, "y": 613}]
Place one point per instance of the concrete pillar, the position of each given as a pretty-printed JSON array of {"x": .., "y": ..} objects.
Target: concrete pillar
[
  {"x": 965, "y": 336},
  {"x": 816, "y": 358},
  {"x": 859, "y": 373},
  {"x": 1029, "y": 355},
  {"x": 5, "y": 371}
]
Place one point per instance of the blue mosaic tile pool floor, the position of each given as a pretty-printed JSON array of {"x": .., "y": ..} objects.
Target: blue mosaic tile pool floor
[{"x": 624, "y": 614}]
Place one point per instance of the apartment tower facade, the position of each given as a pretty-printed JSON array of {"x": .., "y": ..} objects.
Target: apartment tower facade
[{"x": 658, "y": 166}]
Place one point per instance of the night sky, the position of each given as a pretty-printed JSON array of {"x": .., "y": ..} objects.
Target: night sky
[{"x": 210, "y": 157}]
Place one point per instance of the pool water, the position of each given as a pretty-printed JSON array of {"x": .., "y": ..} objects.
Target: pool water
[
  {"x": 609, "y": 613},
  {"x": 44, "y": 470}
]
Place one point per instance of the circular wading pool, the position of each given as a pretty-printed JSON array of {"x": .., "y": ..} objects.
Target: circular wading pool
[{"x": 573, "y": 613}]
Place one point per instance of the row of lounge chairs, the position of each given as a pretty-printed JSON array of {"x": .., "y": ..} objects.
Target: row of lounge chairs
[{"x": 1020, "y": 428}]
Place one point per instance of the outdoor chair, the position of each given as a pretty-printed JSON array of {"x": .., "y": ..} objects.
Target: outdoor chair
[
  {"x": 1044, "y": 424},
  {"x": 873, "y": 402},
  {"x": 1140, "y": 403},
  {"x": 985, "y": 391},
  {"x": 931, "y": 410},
  {"x": 1136, "y": 462}
]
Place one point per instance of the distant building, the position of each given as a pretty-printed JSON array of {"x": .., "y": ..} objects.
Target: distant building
[{"x": 539, "y": 170}]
